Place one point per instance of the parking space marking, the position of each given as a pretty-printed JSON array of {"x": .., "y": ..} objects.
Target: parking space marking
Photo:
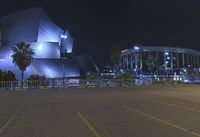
[
  {"x": 192, "y": 100},
  {"x": 177, "y": 106},
  {"x": 27, "y": 125},
  {"x": 12, "y": 118},
  {"x": 91, "y": 128},
  {"x": 14, "y": 115},
  {"x": 162, "y": 121}
]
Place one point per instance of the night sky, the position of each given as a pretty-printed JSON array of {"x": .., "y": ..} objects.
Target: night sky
[{"x": 98, "y": 26}]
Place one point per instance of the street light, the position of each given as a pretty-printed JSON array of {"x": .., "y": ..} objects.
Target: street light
[
  {"x": 63, "y": 36},
  {"x": 166, "y": 53},
  {"x": 136, "y": 48},
  {"x": 63, "y": 61}
]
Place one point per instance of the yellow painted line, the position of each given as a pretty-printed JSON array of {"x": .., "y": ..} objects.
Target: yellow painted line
[
  {"x": 14, "y": 116},
  {"x": 27, "y": 125},
  {"x": 11, "y": 119},
  {"x": 177, "y": 106},
  {"x": 142, "y": 92},
  {"x": 92, "y": 129},
  {"x": 35, "y": 124},
  {"x": 162, "y": 121}
]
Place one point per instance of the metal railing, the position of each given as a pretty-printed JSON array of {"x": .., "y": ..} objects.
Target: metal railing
[{"x": 60, "y": 83}]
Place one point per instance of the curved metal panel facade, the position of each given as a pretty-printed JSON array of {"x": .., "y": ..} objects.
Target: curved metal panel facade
[
  {"x": 48, "y": 31},
  {"x": 5, "y": 52},
  {"x": 68, "y": 43},
  {"x": 20, "y": 26},
  {"x": 50, "y": 68},
  {"x": 34, "y": 27},
  {"x": 53, "y": 68},
  {"x": 46, "y": 49}
]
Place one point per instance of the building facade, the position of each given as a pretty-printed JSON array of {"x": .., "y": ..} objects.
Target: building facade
[
  {"x": 52, "y": 45},
  {"x": 169, "y": 59}
]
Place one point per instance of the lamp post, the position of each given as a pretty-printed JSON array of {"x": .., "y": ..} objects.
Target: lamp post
[
  {"x": 136, "y": 48},
  {"x": 63, "y": 55},
  {"x": 63, "y": 73},
  {"x": 63, "y": 61}
]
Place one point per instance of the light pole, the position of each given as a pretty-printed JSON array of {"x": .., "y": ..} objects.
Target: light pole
[
  {"x": 63, "y": 65},
  {"x": 63, "y": 54},
  {"x": 136, "y": 48},
  {"x": 63, "y": 72}
]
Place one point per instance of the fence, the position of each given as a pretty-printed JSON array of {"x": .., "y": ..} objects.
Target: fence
[{"x": 60, "y": 83}]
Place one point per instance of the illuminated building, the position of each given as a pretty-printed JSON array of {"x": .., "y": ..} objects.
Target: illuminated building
[
  {"x": 52, "y": 46},
  {"x": 170, "y": 59}
]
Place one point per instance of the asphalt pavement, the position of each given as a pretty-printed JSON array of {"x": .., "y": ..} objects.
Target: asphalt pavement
[{"x": 138, "y": 111}]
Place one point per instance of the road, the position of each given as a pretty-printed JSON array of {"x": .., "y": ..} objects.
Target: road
[{"x": 138, "y": 111}]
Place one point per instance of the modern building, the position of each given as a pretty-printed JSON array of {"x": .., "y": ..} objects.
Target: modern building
[
  {"x": 52, "y": 45},
  {"x": 170, "y": 59}
]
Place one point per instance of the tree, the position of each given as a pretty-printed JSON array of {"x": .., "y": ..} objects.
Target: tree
[
  {"x": 7, "y": 76},
  {"x": 22, "y": 57},
  {"x": 115, "y": 57},
  {"x": 153, "y": 64},
  {"x": 36, "y": 77},
  {"x": 125, "y": 75}
]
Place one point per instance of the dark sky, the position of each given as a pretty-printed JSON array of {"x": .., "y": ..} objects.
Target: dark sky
[{"x": 97, "y": 26}]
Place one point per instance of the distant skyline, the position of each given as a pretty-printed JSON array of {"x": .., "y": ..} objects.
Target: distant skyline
[{"x": 98, "y": 26}]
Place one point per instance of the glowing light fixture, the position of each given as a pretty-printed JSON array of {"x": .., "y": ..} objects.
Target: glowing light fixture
[
  {"x": 64, "y": 36},
  {"x": 174, "y": 78},
  {"x": 136, "y": 48}
]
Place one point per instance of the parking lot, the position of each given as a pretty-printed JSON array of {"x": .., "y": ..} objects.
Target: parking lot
[{"x": 168, "y": 110}]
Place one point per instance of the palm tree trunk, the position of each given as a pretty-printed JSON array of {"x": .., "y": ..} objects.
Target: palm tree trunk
[{"x": 22, "y": 79}]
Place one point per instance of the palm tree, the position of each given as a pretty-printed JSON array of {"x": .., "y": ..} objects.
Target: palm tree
[
  {"x": 22, "y": 57},
  {"x": 115, "y": 57},
  {"x": 153, "y": 64}
]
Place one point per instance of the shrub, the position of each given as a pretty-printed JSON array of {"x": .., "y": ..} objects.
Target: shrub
[
  {"x": 36, "y": 81},
  {"x": 125, "y": 75},
  {"x": 36, "y": 77},
  {"x": 7, "y": 76}
]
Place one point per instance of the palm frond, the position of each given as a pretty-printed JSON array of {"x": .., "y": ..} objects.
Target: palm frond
[{"x": 22, "y": 55}]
